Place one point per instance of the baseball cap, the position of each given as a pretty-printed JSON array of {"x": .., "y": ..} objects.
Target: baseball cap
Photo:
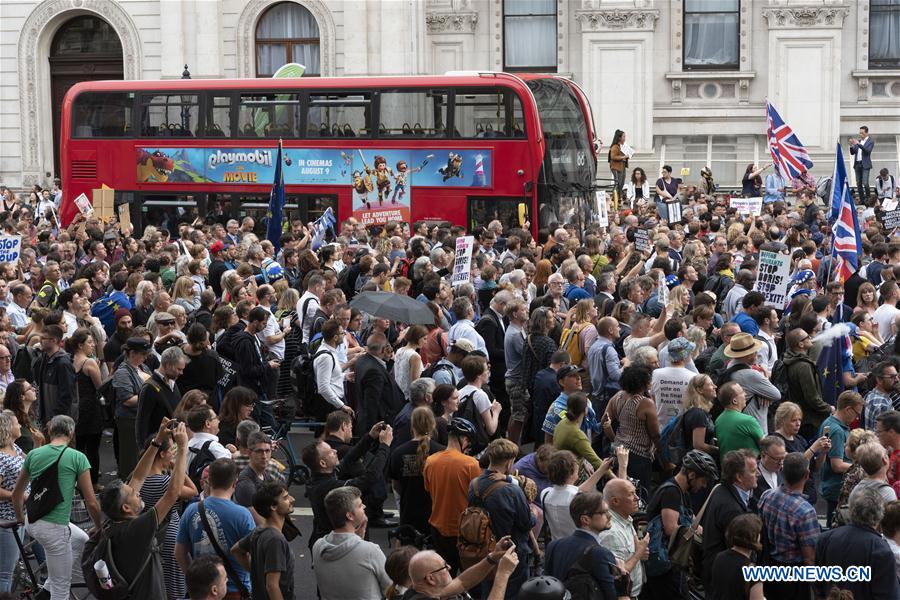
[
  {"x": 463, "y": 346},
  {"x": 567, "y": 370}
]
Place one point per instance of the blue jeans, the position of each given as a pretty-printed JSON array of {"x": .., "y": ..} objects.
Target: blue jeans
[{"x": 9, "y": 554}]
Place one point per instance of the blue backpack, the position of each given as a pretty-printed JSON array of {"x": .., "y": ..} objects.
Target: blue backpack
[
  {"x": 671, "y": 440},
  {"x": 658, "y": 563}
]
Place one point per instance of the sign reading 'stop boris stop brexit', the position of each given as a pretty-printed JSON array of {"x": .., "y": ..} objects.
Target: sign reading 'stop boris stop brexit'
[{"x": 773, "y": 278}]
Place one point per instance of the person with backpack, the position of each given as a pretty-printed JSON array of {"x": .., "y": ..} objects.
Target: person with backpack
[
  {"x": 54, "y": 471},
  {"x": 447, "y": 370},
  {"x": 743, "y": 350},
  {"x": 255, "y": 369},
  {"x": 475, "y": 404},
  {"x": 328, "y": 375},
  {"x": 446, "y": 476},
  {"x": 585, "y": 567},
  {"x": 309, "y": 303},
  {"x": 55, "y": 377},
  {"x": 804, "y": 384},
  {"x": 569, "y": 379},
  {"x": 130, "y": 538},
  {"x": 215, "y": 524},
  {"x": 204, "y": 446},
  {"x": 506, "y": 508},
  {"x": 48, "y": 294},
  {"x": 668, "y": 510}
]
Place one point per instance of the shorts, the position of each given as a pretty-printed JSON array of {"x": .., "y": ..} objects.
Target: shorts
[{"x": 519, "y": 400}]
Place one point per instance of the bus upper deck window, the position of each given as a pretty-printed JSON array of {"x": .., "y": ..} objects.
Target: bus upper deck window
[
  {"x": 170, "y": 115},
  {"x": 102, "y": 114},
  {"x": 488, "y": 114}
]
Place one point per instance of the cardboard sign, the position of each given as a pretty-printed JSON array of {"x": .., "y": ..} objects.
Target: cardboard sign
[
  {"x": 84, "y": 204},
  {"x": 602, "y": 209},
  {"x": 747, "y": 206},
  {"x": 10, "y": 248},
  {"x": 104, "y": 203},
  {"x": 124, "y": 211},
  {"x": 642, "y": 240},
  {"x": 462, "y": 266},
  {"x": 773, "y": 278},
  {"x": 890, "y": 219},
  {"x": 673, "y": 212}
]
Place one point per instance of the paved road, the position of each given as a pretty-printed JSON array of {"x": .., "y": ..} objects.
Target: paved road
[{"x": 304, "y": 580}]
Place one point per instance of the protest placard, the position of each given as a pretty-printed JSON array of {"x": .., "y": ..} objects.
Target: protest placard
[
  {"x": 84, "y": 204},
  {"x": 890, "y": 219},
  {"x": 673, "y": 212},
  {"x": 10, "y": 247},
  {"x": 602, "y": 209},
  {"x": 642, "y": 240},
  {"x": 773, "y": 278},
  {"x": 462, "y": 265},
  {"x": 747, "y": 206},
  {"x": 662, "y": 290}
]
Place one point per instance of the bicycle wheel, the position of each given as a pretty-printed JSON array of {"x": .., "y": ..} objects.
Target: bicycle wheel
[{"x": 281, "y": 457}]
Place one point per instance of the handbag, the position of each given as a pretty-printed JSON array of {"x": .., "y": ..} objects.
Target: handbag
[
  {"x": 687, "y": 541},
  {"x": 45, "y": 492}
]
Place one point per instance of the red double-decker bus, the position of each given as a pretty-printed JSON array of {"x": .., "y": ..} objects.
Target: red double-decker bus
[{"x": 463, "y": 147}]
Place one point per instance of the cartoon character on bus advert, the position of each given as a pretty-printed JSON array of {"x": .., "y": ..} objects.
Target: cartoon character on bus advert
[
  {"x": 375, "y": 177},
  {"x": 154, "y": 167}
]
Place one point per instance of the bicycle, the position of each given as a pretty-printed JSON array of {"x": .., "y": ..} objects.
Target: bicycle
[
  {"x": 25, "y": 583},
  {"x": 295, "y": 473}
]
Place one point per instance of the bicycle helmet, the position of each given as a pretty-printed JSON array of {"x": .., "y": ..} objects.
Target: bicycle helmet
[
  {"x": 461, "y": 426},
  {"x": 543, "y": 588},
  {"x": 700, "y": 463}
]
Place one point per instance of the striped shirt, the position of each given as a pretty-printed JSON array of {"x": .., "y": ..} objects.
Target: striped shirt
[{"x": 790, "y": 521}]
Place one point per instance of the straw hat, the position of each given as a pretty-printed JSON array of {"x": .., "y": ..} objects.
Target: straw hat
[{"x": 742, "y": 344}]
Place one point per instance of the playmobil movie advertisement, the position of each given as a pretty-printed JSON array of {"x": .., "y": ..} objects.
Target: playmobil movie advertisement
[{"x": 381, "y": 179}]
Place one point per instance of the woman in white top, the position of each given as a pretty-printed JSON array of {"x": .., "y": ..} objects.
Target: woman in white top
[
  {"x": 638, "y": 188},
  {"x": 562, "y": 471},
  {"x": 407, "y": 362}
]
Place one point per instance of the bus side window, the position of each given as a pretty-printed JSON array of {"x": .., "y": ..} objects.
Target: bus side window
[
  {"x": 488, "y": 114},
  {"x": 417, "y": 113},
  {"x": 269, "y": 116},
  {"x": 340, "y": 114},
  {"x": 170, "y": 115},
  {"x": 102, "y": 114}
]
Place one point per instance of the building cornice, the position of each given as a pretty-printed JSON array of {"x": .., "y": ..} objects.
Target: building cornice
[
  {"x": 815, "y": 17},
  {"x": 617, "y": 19},
  {"x": 451, "y": 22}
]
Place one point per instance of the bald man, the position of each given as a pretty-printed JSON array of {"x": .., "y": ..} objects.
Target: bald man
[
  {"x": 430, "y": 577},
  {"x": 620, "y": 539}
]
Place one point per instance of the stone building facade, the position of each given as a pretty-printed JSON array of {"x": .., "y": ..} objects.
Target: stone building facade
[{"x": 686, "y": 79}]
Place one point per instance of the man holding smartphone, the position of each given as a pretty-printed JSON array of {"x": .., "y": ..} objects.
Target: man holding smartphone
[{"x": 621, "y": 538}]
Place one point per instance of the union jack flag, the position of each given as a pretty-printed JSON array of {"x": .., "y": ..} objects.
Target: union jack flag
[
  {"x": 788, "y": 153},
  {"x": 846, "y": 241}
]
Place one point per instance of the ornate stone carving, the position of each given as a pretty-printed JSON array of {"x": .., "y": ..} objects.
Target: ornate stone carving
[
  {"x": 617, "y": 18},
  {"x": 442, "y": 22},
  {"x": 676, "y": 91},
  {"x": 34, "y": 76},
  {"x": 820, "y": 17},
  {"x": 246, "y": 35}
]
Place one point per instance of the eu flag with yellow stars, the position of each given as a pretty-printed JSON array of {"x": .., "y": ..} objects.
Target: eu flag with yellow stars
[
  {"x": 832, "y": 361},
  {"x": 276, "y": 205}
]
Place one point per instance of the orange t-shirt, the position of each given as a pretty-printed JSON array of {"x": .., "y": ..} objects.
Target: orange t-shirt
[{"x": 447, "y": 477}]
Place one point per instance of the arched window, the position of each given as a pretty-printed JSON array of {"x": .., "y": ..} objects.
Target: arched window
[{"x": 287, "y": 33}]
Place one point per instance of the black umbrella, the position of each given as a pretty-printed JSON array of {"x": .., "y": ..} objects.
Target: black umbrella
[{"x": 396, "y": 307}]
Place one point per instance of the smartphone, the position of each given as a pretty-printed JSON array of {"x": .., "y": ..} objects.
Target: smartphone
[
  {"x": 172, "y": 424},
  {"x": 285, "y": 322},
  {"x": 642, "y": 530},
  {"x": 826, "y": 430}
]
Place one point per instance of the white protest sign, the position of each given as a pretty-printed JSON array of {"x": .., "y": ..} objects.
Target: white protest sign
[
  {"x": 673, "y": 212},
  {"x": 642, "y": 240},
  {"x": 84, "y": 204},
  {"x": 662, "y": 293},
  {"x": 747, "y": 206},
  {"x": 773, "y": 278},
  {"x": 10, "y": 247},
  {"x": 602, "y": 209},
  {"x": 462, "y": 266}
]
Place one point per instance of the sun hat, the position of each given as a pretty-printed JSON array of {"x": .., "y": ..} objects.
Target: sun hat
[{"x": 741, "y": 344}]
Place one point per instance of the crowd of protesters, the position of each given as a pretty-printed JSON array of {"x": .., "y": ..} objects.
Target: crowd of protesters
[{"x": 591, "y": 401}]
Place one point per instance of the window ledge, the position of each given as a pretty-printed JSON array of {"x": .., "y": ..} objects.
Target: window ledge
[
  {"x": 711, "y": 75},
  {"x": 876, "y": 73}
]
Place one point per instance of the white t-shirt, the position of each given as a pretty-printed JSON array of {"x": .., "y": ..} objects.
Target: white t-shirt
[
  {"x": 668, "y": 388},
  {"x": 482, "y": 402},
  {"x": 311, "y": 307},
  {"x": 556, "y": 501},
  {"x": 884, "y": 316},
  {"x": 270, "y": 330}
]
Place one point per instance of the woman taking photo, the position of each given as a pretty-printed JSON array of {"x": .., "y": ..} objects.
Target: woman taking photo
[
  {"x": 637, "y": 190},
  {"x": 89, "y": 427},
  {"x": 236, "y": 406},
  {"x": 154, "y": 488},
  {"x": 20, "y": 398},
  {"x": 788, "y": 419},
  {"x": 407, "y": 362},
  {"x": 698, "y": 430},
  {"x": 636, "y": 415},
  {"x": 11, "y": 459},
  {"x": 446, "y": 402}
]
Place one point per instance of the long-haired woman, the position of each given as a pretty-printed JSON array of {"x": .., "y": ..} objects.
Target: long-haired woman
[
  {"x": 237, "y": 405},
  {"x": 866, "y": 298},
  {"x": 89, "y": 427},
  {"x": 407, "y": 362},
  {"x": 698, "y": 429},
  {"x": 637, "y": 190},
  {"x": 446, "y": 401},
  {"x": 20, "y": 398},
  {"x": 202, "y": 368},
  {"x": 407, "y": 465}
]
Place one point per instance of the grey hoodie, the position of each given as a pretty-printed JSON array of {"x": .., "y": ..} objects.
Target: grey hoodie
[{"x": 349, "y": 568}]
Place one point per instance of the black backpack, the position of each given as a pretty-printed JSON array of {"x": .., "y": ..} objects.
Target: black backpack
[
  {"x": 436, "y": 366},
  {"x": 202, "y": 459},
  {"x": 303, "y": 378},
  {"x": 25, "y": 362},
  {"x": 579, "y": 581},
  {"x": 719, "y": 285},
  {"x": 780, "y": 380},
  {"x": 467, "y": 410},
  {"x": 99, "y": 547}
]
